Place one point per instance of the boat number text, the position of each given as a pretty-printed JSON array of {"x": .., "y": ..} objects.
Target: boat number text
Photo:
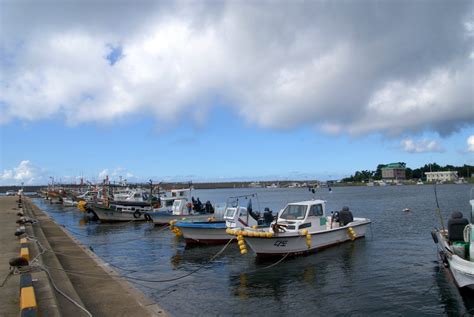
[{"x": 280, "y": 243}]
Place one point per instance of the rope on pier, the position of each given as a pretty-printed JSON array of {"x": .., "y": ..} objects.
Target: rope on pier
[
  {"x": 98, "y": 276},
  {"x": 35, "y": 264},
  {"x": 110, "y": 243}
]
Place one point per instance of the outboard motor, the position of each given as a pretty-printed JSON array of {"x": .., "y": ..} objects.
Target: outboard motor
[
  {"x": 345, "y": 216},
  {"x": 456, "y": 225},
  {"x": 198, "y": 206},
  {"x": 267, "y": 215},
  {"x": 209, "y": 208}
]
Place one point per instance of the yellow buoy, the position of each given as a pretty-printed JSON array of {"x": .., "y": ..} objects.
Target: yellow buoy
[{"x": 82, "y": 206}]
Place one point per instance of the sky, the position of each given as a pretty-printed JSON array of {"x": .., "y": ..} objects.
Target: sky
[{"x": 232, "y": 90}]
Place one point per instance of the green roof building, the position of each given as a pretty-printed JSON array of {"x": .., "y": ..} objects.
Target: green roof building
[{"x": 394, "y": 171}]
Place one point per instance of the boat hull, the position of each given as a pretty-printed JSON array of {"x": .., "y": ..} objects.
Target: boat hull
[
  {"x": 293, "y": 244},
  {"x": 110, "y": 215},
  {"x": 462, "y": 270},
  {"x": 164, "y": 218},
  {"x": 209, "y": 234}
]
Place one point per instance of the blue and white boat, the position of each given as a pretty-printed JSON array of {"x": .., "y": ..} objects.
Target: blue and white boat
[{"x": 215, "y": 232}]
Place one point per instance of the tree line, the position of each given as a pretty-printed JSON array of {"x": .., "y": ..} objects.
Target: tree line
[{"x": 417, "y": 173}]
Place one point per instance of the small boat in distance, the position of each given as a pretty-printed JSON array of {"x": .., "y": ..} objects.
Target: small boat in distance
[{"x": 10, "y": 193}]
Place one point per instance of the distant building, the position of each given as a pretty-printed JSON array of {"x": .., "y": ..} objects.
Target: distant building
[
  {"x": 393, "y": 171},
  {"x": 447, "y": 176}
]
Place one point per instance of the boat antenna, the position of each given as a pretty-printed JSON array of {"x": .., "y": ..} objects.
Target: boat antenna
[{"x": 437, "y": 203}]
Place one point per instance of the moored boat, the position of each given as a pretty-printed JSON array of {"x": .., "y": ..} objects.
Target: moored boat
[
  {"x": 456, "y": 247},
  {"x": 302, "y": 227},
  {"x": 180, "y": 210},
  {"x": 214, "y": 232},
  {"x": 69, "y": 202},
  {"x": 115, "y": 213}
]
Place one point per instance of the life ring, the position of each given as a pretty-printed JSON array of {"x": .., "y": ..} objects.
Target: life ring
[
  {"x": 147, "y": 217},
  {"x": 137, "y": 214}
]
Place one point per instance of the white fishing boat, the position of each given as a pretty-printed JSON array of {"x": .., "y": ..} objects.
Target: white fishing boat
[
  {"x": 115, "y": 213},
  {"x": 180, "y": 210},
  {"x": 302, "y": 227},
  {"x": 69, "y": 202},
  {"x": 10, "y": 193},
  {"x": 214, "y": 232},
  {"x": 456, "y": 247},
  {"x": 89, "y": 195}
]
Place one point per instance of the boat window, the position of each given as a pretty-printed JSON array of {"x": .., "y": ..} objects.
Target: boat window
[
  {"x": 292, "y": 212},
  {"x": 316, "y": 210},
  {"x": 243, "y": 212},
  {"x": 229, "y": 213},
  {"x": 137, "y": 195}
]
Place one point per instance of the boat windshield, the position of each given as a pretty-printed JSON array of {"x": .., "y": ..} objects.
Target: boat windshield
[
  {"x": 294, "y": 212},
  {"x": 229, "y": 213}
]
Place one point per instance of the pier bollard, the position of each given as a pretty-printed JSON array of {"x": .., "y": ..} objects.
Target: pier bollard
[
  {"x": 28, "y": 306},
  {"x": 24, "y": 251}
]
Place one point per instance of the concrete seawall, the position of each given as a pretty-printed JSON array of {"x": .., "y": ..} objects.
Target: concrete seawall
[{"x": 61, "y": 256}]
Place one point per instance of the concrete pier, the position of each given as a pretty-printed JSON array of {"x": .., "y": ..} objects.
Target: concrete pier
[{"x": 100, "y": 293}]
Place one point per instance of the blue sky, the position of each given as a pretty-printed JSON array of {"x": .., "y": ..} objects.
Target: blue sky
[{"x": 234, "y": 91}]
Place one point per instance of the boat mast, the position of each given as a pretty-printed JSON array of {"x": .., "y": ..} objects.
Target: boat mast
[
  {"x": 151, "y": 194},
  {"x": 437, "y": 204}
]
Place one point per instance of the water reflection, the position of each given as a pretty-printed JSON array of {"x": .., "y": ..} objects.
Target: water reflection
[{"x": 452, "y": 298}]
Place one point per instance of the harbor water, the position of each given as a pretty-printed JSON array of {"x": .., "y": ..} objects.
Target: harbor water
[{"x": 393, "y": 271}]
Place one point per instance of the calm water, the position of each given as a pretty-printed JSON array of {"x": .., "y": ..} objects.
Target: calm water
[{"x": 393, "y": 272}]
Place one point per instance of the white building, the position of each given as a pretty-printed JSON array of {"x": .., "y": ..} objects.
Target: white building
[{"x": 448, "y": 176}]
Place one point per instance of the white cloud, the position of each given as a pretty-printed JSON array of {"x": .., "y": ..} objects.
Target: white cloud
[
  {"x": 103, "y": 174},
  {"x": 422, "y": 146},
  {"x": 116, "y": 174},
  {"x": 346, "y": 68},
  {"x": 470, "y": 143},
  {"x": 25, "y": 172}
]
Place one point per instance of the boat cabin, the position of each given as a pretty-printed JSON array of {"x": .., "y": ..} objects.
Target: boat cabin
[
  {"x": 180, "y": 208},
  {"x": 239, "y": 217},
  {"x": 89, "y": 195},
  {"x": 180, "y": 193},
  {"x": 310, "y": 215}
]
